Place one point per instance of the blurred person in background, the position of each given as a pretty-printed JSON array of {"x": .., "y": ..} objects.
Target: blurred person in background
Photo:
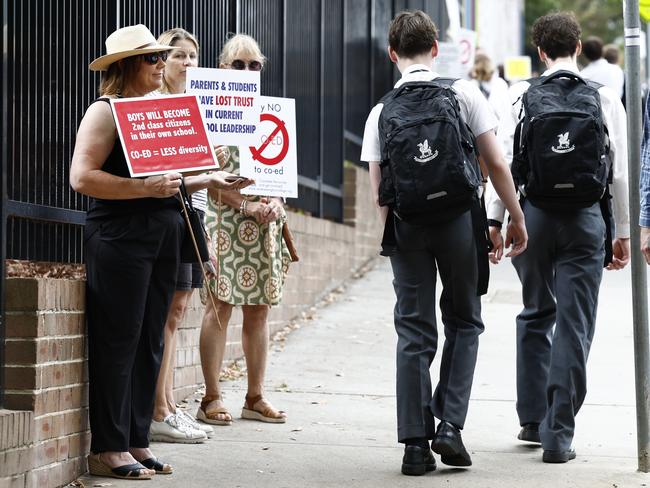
[{"x": 599, "y": 69}]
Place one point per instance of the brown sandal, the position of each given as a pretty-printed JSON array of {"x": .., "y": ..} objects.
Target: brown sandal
[
  {"x": 266, "y": 414},
  {"x": 212, "y": 416}
]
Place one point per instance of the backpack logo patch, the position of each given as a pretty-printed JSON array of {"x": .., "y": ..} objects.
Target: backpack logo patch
[
  {"x": 564, "y": 145},
  {"x": 426, "y": 154}
]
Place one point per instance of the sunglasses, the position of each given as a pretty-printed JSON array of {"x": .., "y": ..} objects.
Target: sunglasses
[
  {"x": 153, "y": 58},
  {"x": 253, "y": 65}
]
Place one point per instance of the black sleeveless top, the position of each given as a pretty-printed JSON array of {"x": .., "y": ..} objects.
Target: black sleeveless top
[{"x": 116, "y": 165}]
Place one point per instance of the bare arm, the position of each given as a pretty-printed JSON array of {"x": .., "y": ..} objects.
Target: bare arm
[
  {"x": 95, "y": 140},
  {"x": 375, "y": 178},
  {"x": 502, "y": 181}
]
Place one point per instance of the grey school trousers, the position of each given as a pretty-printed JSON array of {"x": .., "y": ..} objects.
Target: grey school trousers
[
  {"x": 560, "y": 273},
  {"x": 448, "y": 248}
]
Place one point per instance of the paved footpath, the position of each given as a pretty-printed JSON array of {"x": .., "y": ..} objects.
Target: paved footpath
[{"x": 335, "y": 378}]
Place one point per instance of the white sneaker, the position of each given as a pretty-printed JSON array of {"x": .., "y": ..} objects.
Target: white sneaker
[
  {"x": 209, "y": 431},
  {"x": 171, "y": 429}
]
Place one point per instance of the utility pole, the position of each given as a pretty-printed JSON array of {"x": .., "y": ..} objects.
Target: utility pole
[{"x": 639, "y": 284}]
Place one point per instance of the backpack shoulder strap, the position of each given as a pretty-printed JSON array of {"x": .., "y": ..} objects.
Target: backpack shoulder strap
[
  {"x": 387, "y": 97},
  {"x": 594, "y": 84},
  {"x": 445, "y": 81}
]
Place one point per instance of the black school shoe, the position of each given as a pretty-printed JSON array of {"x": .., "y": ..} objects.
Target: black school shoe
[
  {"x": 448, "y": 443},
  {"x": 529, "y": 433},
  {"x": 417, "y": 461},
  {"x": 558, "y": 456}
]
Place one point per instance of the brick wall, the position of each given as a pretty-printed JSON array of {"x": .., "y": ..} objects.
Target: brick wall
[{"x": 43, "y": 434}]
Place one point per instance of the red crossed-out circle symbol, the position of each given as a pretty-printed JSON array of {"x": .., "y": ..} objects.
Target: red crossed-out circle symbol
[
  {"x": 465, "y": 51},
  {"x": 279, "y": 127}
]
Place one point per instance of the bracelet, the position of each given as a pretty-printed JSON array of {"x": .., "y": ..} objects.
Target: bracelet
[{"x": 242, "y": 207}]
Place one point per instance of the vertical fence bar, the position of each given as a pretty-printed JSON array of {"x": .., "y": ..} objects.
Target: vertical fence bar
[
  {"x": 639, "y": 285},
  {"x": 3, "y": 189}
]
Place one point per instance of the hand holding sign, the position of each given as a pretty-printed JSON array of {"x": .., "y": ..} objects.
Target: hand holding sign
[
  {"x": 162, "y": 186},
  {"x": 222, "y": 180}
]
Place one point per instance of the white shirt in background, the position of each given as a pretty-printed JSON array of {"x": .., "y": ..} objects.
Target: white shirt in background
[{"x": 605, "y": 73}]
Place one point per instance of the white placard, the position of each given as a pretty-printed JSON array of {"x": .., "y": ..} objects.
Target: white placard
[
  {"x": 229, "y": 100},
  {"x": 272, "y": 160},
  {"x": 447, "y": 63}
]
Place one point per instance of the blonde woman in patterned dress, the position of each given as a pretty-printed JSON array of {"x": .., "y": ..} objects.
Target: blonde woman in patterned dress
[{"x": 246, "y": 234}]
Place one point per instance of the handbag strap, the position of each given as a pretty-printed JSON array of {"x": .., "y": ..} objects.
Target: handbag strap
[{"x": 185, "y": 196}]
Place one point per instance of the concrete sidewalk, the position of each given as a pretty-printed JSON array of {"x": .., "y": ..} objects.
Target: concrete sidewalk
[{"x": 335, "y": 378}]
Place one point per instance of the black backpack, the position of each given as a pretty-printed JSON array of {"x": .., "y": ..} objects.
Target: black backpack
[
  {"x": 429, "y": 167},
  {"x": 429, "y": 164},
  {"x": 561, "y": 147}
]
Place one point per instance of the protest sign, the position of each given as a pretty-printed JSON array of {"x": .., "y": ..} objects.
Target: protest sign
[
  {"x": 272, "y": 159},
  {"x": 229, "y": 101},
  {"x": 466, "y": 39},
  {"x": 163, "y": 134},
  {"x": 448, "y": 63}
]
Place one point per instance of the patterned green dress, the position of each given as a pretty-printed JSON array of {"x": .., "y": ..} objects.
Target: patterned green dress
[{"x": 253, "y": 258}]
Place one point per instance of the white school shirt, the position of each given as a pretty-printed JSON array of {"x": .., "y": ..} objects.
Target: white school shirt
[
  {"x": 614, "y": 119},
  {"x": 474, "y": 109},
  {"x": 603, "y": 72}
]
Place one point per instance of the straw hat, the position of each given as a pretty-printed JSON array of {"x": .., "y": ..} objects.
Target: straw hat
[{"x": 125, "y": 42}]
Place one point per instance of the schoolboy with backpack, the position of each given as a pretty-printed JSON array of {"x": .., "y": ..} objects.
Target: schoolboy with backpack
[
  {"x": 421, "y": 142},
  {"x": 566, "y": 139}
]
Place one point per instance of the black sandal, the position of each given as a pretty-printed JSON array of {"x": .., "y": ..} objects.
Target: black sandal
[
  {"x": 157, "y": 466},
  {"x": 97, "y": 467}
]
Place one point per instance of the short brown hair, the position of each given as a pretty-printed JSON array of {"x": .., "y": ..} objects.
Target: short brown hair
[
  {"x": 611, "y": 53},
  {"x": 592, "y": 48},
  {"x": 412, "y": 33},
  {"x": 118, "y": 75},
  {"x": 557, "y": 34}
]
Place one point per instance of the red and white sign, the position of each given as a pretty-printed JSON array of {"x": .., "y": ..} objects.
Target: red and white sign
[
  {"x": 466, "y": 39},
  {"x": 272, "y": 162},
  {"x": 163, "y": 134}
]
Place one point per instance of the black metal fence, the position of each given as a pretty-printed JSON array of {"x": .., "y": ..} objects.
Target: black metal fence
[{"x": 330, "y": 55}]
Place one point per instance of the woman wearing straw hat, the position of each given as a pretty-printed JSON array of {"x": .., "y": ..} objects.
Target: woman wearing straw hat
[{"x": 132, "y": 241}]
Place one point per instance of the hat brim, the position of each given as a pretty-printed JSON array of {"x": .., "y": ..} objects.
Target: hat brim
[{"x": 103, "y": 62}]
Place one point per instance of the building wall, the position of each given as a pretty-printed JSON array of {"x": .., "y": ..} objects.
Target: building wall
[
  {"x": 500, "y": 27},
  {"x": 44, "y": 437}
]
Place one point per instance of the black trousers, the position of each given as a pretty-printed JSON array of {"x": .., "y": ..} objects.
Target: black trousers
[
  {"x": 560, "y": 274},
  {"x": 450, "y": 249},
  {"x": 131, "y": 266}
]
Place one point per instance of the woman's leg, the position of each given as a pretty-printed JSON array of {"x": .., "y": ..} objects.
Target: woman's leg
[
  {"x": 212, "y": 347},
  {"x": 165, "y": 383},
  {"x": 255, "y": 342}
]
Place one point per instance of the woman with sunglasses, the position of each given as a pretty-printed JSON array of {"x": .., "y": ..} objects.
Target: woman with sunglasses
[
  {"x": 132, "y": 240},
  {"x": 252, "y": 263}
]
